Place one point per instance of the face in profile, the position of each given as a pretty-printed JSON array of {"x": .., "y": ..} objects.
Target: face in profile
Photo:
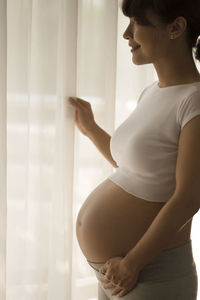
[{"x": 152, "y": 37}]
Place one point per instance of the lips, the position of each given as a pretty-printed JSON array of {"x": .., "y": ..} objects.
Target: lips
[{"x": 134, "y": 47}]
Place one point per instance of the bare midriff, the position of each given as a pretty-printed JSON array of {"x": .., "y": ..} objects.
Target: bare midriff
[{"x": 111, "y": 221}]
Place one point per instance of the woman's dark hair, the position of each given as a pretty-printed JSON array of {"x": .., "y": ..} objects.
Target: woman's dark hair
[{"x": 167, "y": 11}]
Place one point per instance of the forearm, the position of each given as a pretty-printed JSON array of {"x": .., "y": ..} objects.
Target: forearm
[
  {"x": 170, "y": 219},
  {"x": 101, "y": 140}
]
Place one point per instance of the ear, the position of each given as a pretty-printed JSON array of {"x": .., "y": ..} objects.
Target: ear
[{"x": 177, "y": 27}]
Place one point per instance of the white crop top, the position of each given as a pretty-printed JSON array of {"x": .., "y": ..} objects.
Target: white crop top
[{"x": 145, "y": 145}]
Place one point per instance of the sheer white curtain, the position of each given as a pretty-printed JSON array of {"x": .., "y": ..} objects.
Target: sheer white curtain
[
  {"x": 3, "y": 146},
  {"x": 56, "y": 49}
]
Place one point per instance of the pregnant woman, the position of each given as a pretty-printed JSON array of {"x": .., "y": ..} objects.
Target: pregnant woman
[{"x": 134, "y": 228}]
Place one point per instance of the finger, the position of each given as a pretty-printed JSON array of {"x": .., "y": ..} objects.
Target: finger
[
  {"x": 125, "y": 291},
  {"x": 74, "y": 102},
  {"x": 109, "y": 277},
  {"x": 109, "y": 285},
  {"x": 116, "y": 291},
  {"x": 103, "y": 279},
  {"x": 72, "y": 99},
  {"x": 83, "y": 101}
]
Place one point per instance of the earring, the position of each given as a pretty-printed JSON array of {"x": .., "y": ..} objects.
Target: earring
[{"x": 172, "y": 36}]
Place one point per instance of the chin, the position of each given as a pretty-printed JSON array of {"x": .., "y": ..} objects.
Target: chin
[{"x": 140, "y": 61}]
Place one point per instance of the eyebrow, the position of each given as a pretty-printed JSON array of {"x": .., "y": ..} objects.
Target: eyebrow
[{"x": 143, "y": 20}]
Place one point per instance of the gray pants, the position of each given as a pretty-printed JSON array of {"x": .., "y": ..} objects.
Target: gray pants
[{"x": 171, "y": 275}]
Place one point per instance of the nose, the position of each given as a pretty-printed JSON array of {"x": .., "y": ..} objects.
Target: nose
[{"x": 128, "y": 34}]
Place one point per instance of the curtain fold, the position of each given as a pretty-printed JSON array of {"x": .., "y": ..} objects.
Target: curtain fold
[
  {"x": 61, "y": 233},
  {"x": 55, "y": 49},
  {"x": 3, "y": 146}
]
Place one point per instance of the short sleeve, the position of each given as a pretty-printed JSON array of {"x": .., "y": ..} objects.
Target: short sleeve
[{"x": 189, "y": 109}]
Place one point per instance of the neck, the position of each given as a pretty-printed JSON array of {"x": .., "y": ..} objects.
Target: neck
[{"x": 177, "y": 70}]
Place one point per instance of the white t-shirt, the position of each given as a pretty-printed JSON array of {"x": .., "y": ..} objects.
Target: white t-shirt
[{"x": 145, "y": 145}]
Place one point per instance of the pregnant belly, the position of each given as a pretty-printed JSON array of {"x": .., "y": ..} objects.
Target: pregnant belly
[{"x": 111, "y": 221}]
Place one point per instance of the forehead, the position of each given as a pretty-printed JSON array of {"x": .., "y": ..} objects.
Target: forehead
[
  {"x": 155, "y": 19},
  {"x": 152, "y": 18}
]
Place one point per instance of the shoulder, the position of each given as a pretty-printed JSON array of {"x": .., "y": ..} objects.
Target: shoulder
[{"x": 188, "y": 108}]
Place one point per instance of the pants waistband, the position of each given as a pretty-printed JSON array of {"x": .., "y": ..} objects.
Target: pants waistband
[{"x": 170, "y": 263}]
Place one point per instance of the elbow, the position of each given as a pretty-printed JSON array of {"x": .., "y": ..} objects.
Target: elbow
[
  {"x": 196, "y": 208},
  {"x": 188, "y": 201},
  {"x": 193, "y": 208},
  {"x": 194, "y": 205}
]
